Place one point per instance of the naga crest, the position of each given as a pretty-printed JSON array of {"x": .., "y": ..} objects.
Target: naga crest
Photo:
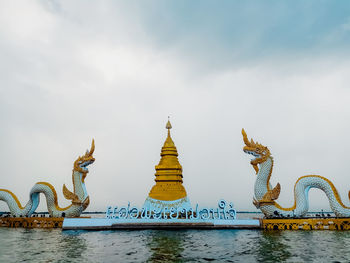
[
  {"x": 81, "y": 164},
  {"x": 259, "y": 151}
]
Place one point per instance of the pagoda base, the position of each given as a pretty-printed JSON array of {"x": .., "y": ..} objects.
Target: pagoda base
[{"x": 154, "y": 204}]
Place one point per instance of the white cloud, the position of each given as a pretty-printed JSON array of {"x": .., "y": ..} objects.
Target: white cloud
[{"x": 24, "y": 21}]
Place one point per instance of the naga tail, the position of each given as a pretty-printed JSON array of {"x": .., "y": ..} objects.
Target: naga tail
[{"x": 14, "y": 204}]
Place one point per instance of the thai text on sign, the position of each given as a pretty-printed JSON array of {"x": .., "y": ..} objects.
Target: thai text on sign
[{"x": 223, "y": 211}]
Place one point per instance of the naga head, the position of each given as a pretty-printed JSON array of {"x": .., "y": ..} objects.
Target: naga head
[
  {"x": 81, "y": 164},
  {"x": 258, "y": 151}
]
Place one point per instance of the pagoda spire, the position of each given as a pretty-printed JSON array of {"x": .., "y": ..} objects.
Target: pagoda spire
[{"x": 168, "y": 174}]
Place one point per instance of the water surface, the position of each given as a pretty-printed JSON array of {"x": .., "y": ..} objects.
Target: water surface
[{"x": 54, "y": 245}]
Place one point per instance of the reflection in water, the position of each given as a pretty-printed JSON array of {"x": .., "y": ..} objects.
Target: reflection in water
[
  {"x": 271, "y": 247},
  {"x": 166, "y": 246}
]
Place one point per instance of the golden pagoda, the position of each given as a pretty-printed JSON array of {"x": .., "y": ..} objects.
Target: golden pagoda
[{"x": 168, "y": 190}]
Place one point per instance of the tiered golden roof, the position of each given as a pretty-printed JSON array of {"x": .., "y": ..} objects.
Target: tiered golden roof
[{"x": 168, "y": 174}]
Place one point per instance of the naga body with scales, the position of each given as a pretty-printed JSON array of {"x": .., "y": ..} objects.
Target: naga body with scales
[
  {"x": 79, "y": 197},
  {"x": 265, "y": 195}
]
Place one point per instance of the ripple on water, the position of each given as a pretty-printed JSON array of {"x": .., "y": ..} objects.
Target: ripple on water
[{"x": 39, "y": 245}]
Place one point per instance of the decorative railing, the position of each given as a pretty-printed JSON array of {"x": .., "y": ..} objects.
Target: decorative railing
[
  {"x": 31, "y": 222},
  {"x": 224, "y": 211}
]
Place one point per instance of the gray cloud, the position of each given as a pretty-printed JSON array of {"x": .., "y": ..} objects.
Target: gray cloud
[{"x": 71, "y": 71}]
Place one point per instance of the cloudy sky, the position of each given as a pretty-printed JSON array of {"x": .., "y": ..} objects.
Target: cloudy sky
[{"x": 71, "y": 71}]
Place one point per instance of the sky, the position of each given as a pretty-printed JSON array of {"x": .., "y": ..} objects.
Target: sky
[{"x": 114, "y": 71}]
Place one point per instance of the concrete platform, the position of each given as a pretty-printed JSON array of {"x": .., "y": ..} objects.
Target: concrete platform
[{"x": 137, "y": 224}]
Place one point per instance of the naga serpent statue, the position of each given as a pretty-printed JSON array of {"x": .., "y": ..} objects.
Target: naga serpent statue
[
  {"x": 265, "y": 195},
  {"x": 79, "y": 198}
]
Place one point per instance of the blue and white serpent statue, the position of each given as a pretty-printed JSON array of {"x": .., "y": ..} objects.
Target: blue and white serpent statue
[
  {"x": 79, "y": 198},
  {"x": 265, "y": 195}
]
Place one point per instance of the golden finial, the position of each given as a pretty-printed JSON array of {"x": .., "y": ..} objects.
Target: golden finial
[{"x": 168, "y": 124}]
